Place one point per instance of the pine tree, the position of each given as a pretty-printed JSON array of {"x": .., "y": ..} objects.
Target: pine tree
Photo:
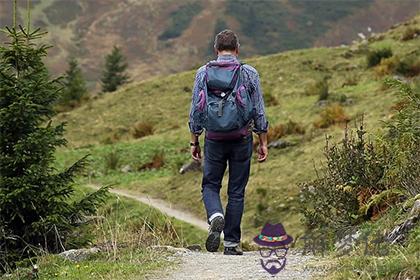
[
  {"x": 74, "y": 85},
  {"x": 114, "y": 74},
  {"x": 37, "y": 207}
]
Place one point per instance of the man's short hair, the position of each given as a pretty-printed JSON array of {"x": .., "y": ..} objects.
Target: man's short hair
[{"x": 226, "y": 41}]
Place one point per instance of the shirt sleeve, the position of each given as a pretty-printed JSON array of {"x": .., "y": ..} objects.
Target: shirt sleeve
[
  {"x": 260, "y": 120},
  {"x": 194, "y": 126}
]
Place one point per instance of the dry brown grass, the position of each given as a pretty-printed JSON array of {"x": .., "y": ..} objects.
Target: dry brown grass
[
  {"x": 410, "y": 33},
  {"x": 142, "y": 129},
  {"x": 333, "y": 114},
  {"x": 157, "y": 162}
]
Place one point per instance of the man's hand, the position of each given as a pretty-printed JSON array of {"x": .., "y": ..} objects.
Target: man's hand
[
  {"x": 262, "y": 151},
  {"x": 196, "y": 153},
  {"x": 195, "y": 150}
]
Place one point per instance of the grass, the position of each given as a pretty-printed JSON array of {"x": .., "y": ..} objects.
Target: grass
[
  {"x": 164, "y": 102},
  {"x": 127, "y": 230}
]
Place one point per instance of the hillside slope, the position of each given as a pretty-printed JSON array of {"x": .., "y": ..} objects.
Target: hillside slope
[
  {"x": 104, "y": 127},
  {"x": 162, "y": 37}
]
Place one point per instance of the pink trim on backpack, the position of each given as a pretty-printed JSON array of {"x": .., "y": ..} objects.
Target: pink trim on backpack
[
  {"x": 239, "y": 97},
  {"x": 202, "y": 102}
]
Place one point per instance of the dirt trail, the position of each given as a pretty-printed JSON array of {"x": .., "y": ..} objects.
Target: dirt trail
[
  {"x": 162, "y": 206},
  {"x": 204, "y": 265}
]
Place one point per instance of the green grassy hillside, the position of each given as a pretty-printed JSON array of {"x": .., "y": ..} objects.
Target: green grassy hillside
[{"x": 105, "y": 127}]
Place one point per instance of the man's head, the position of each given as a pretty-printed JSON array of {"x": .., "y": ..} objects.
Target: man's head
[{"x": 226, "y": 42}]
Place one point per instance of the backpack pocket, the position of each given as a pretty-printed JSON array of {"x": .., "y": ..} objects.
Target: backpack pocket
[{"x": 224, "y": 117}]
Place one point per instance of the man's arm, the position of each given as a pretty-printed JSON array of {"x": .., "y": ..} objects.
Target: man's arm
[
  {"x": 195, "y": 128},
  {"x": 260, "y": 120}
]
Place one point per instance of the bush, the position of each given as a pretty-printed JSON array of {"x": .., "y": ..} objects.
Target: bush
[
  {"x": 387, "y": 66},
  {"x": 280, "y": 130},
  {"x": 270, "y": 100},
  {"x": 362, "y": 179},
  {"x": 142, "y": 129},
  {"x": 319, "y": 88},
  {"x": 374, "y": 57},
  {"x": 353, "y": 174},
  {"x": 403, "y": 141},
  {"x": 410, "y": 33},
  {"x": 409, "y": 66},
  {"x": 112, "y": 161},
  {"x": 158, "y": 161},
  {"x": 333, "y": 114}
]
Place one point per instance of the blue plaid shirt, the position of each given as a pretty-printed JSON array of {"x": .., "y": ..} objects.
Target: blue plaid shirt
[{"x": 251, "y": 80}]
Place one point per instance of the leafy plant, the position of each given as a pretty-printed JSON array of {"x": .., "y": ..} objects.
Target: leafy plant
[
  {"x": 362, "y": 179},
  {"x": 403, "y": 140},
  {"x": 374, "y": 57},
  {"x": 353, "y": 172},
  {"x": 37, "y": 208}
]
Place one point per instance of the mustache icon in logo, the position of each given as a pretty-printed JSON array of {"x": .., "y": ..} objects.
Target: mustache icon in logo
[{"x": 273, "y": 242}]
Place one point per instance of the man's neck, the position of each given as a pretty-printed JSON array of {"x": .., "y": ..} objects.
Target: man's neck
[{"x": 226, "y": 53}]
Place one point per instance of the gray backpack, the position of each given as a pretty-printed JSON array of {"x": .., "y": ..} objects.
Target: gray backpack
[{"x": 224, "y": 104}]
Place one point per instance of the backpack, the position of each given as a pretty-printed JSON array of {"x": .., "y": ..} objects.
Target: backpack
[{"x": 224, "y": 104}]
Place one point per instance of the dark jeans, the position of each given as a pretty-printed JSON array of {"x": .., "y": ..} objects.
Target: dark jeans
[{"x": 216, "y": 156}]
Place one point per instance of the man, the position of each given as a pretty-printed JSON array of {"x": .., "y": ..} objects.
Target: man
[{"x": 219, "y": 106}]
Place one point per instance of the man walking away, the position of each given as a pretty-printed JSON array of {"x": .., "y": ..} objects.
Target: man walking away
[{"x": 227, "y": 103}]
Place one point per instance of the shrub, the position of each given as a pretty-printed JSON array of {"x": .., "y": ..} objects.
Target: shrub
[
  {"x": 409, "y": 66},
  {"x": 353, "y": 174},
  {"x": 112, "y": 161},
  {"x": 387, "y": 66},
  {"x": 410, "y": 33},
  {"x": 374, "y": 57},
  {"x": 360, "y": 179},
  {"x": 158, "y": 161},
  {"x": 280, "y": 130},
  {"x": 403, "y": 141},
  {"x": 270, "y": 100},
  {"x": 351, "y": 79},
  {"x": 333, "y": 114},
  {"x": 142, "y": 129},
  {"x": 319, "y": 88}
]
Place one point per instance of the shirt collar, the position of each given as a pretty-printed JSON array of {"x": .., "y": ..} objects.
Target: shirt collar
[{"x": 227, "y": 57}]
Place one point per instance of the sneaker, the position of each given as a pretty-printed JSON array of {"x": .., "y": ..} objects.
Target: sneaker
[
  {"x": 233, "y": 251},
  {"x": 216, "y": 228}
]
